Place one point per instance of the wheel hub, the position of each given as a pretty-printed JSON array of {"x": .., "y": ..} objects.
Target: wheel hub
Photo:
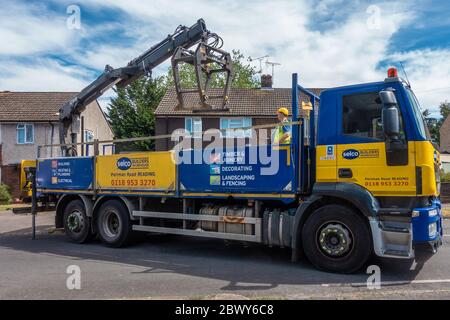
[
  {"x": 75, "y": 221},
  {"x": 335, "y": 240},
  {"x": 111, "y": 224}
]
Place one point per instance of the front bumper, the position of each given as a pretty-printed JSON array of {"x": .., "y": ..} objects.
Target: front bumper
[
  {"x": 401, "y": 239},
  {"x": 427, "y": 227}
]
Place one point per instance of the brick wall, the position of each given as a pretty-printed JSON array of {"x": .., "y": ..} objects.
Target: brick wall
[
  {"x": 11, "y": 177},
  {"x": 166, "y": 125}
]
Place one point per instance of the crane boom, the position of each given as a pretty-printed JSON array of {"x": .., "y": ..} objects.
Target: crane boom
[{"x": 183, "y": 37}]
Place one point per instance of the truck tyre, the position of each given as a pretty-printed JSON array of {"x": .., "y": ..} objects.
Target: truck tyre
[
  {"x": 113, "y": 224},
  {"x": 335, "y": 238},
  {"x": 77, "y": 225}
]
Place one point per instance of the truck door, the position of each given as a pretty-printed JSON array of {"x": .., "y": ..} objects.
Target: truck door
[{"x": 364, "y": 156}]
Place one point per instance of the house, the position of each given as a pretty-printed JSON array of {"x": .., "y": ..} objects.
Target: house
[
  {"x": 444, "y": 133},
  {"x": 445, "y": 161},
  {"x": 29, "y": 119},
  {"x": 247, "y": 107}
]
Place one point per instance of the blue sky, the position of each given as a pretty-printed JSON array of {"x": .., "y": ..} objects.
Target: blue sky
[{"x": 329, "y": 43}]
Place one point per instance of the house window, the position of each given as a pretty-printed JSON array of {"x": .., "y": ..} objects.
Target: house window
[
  {"x": 25, "y": 133},
  {"x": 235, "y": 123},
  {"x": 88, "y": 136},
  {"x": 193, "y": 127}
]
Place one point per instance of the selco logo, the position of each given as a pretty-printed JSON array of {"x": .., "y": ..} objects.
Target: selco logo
[
  {"x": 124, "y": 163},
  {"x": 350, "y": 154}
]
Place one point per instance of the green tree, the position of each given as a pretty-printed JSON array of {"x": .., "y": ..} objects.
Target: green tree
[
  {"x": 5, "y": 195},
  {"x": 444, "y": 109},
  {"x": 245, "y": 76},
  {"x": 435, "y": 126},
  {"x": 132, "y": 112}
]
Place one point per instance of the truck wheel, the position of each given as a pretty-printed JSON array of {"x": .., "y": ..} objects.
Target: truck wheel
[
  {"x": 113, "y": 224},
  {"x": 336, "y": 239},
  {"x": 77, "y": 225}
]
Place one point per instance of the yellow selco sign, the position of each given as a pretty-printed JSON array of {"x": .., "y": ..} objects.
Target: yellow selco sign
[
  {"x": 136, "y": 171},
  {"x": 367, "y": 166}
]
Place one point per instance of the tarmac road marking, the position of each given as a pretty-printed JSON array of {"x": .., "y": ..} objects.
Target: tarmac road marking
[{"x": 386, "y": 283}]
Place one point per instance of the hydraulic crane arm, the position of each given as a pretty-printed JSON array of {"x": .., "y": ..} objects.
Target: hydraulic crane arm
[{"x": 183, "y": 38}]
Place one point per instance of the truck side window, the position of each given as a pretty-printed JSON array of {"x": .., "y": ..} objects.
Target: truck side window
[{"x": 362, "y": 116}]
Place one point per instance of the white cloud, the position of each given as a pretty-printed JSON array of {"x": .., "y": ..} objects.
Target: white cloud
[
  {"x": 101, "y": 55},
  {"x": 347, "y": 53},
  {"x": 41, "y": 75},
  {"x": 27, "y": 29},
  {"x": 429, "y": 74},
  {"x": 294, "y": 33}
]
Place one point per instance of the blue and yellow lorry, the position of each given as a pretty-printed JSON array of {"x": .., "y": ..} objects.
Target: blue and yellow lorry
[{"x": 363, "y": 181}]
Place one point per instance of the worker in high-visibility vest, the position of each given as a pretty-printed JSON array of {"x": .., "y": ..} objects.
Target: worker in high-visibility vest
[{"x": 282, "y": 133}]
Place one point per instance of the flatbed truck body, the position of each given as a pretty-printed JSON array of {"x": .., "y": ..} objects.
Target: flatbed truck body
[{"x": 361, "y": 183}]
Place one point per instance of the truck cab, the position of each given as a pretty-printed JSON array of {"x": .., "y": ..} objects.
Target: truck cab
[{"x": 393, "y": 175}]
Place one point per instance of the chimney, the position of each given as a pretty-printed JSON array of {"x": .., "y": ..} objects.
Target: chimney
[{"x": 266, "y": 81}]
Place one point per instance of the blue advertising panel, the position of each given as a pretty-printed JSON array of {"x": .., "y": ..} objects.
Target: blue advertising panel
[
  {"x": 65, "y": 173},
  {"x": 261, "y": 169}
]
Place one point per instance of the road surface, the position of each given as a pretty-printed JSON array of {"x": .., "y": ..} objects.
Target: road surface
[{"x": 176, "y": 267}]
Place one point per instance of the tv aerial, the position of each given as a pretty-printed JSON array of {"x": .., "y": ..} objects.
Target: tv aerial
[
  {"x": 260, "y": 59},
  {"x": 272, "y": 65}
]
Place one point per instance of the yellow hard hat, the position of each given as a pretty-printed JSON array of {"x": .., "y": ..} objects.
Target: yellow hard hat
[{"x": 284, "y": 111}]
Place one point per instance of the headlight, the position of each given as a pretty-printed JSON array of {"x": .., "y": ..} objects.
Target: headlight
[
  {"x": 432, "y": 230},
  {"x": 432, "y": 213},
  {"x": 415, "y": 213}
]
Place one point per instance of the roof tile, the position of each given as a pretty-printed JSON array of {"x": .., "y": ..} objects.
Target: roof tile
[
  {"x": 32, "y": 106},
  {"x": 242, "y": 102}
]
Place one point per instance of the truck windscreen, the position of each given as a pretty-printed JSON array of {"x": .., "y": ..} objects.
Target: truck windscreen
[{"x": 418, "y": 116}]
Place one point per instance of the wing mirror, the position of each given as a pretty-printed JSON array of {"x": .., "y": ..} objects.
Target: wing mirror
[{"x": 389, "y": 114}]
